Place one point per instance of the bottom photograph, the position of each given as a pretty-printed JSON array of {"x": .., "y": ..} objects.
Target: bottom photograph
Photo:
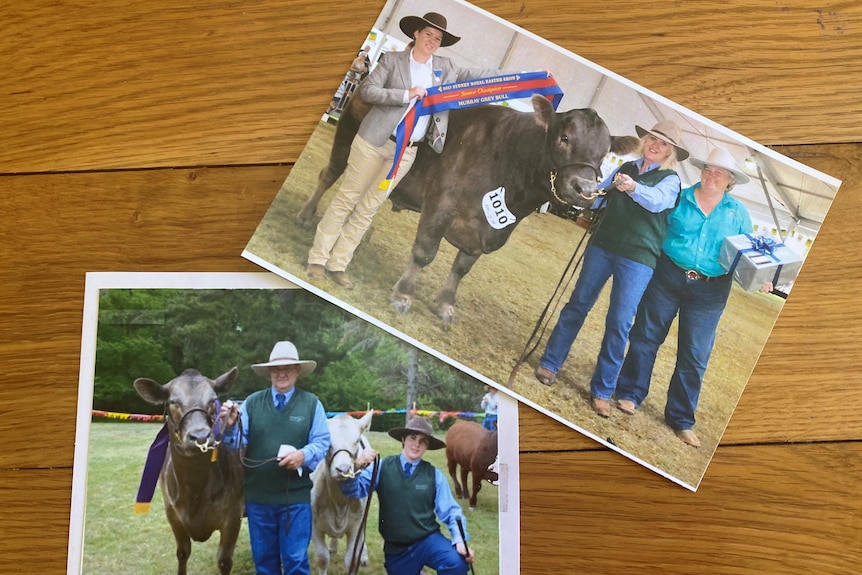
[{"x": 235, "y": 423}]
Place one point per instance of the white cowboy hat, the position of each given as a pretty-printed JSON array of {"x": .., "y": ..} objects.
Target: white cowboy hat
[
  {"x": 284, "y": 353},
  {"x": 409, "y": 25},
  {"x": 668, "y": 131},
  {"x": 418, "y": 425},
  {"x": 721, "y": 158}
]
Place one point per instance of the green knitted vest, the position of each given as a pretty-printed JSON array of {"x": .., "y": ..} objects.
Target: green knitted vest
[
  {"x": 268, "y": 429},
  {"x": 629, "y": 230},
  {"x": 406, "y": 504}
]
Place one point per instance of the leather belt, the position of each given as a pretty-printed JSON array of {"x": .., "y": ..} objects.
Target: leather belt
[
  {"x": 410, "y": 145},
  {"x": 696, "y": 275}
]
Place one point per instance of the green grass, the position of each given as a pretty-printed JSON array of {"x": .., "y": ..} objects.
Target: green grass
[{"x": 118, "y": 541}]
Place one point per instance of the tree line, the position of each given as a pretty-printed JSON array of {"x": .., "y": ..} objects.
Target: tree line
[{"x": 158, "y": 333}]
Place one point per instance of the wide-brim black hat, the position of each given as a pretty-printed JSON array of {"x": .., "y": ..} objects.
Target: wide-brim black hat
[
  {"x": 418, "y": 425},
  {"x": 409, "y": 25}
]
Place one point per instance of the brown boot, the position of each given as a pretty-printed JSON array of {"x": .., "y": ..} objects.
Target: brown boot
[
  {"x": 341, "y": 279},
  {"x": 626, "y": 406},
  {"x": 316, "y": 271},
  {"x": 545, "y": 376},
  {"x": 688, "y": 437},
  {"x": 601, "y": 406}
]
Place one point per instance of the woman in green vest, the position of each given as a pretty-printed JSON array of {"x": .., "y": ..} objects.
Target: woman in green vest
[
  {"x": 625, "y": 246},
  {"x": 413, "y": 496},
  {"x": 281, "y": 419}
]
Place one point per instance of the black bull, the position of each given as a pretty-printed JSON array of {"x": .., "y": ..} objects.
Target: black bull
[{"x": 518, "y": 160}]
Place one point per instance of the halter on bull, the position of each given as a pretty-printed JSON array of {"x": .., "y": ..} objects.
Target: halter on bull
[{"x": 202, "y": 493}]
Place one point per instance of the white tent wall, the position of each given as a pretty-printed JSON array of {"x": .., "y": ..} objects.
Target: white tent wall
[{"x": 783, "y": 196}]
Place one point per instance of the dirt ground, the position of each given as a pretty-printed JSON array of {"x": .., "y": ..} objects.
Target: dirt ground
[{"x": 497, "y": 308}]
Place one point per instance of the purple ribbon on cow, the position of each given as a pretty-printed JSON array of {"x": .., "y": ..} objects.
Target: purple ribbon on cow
[
  {"x": 156, "y": 460},
  {"x": 467, "y": 94},
  {"x": 152, "y": 468}
]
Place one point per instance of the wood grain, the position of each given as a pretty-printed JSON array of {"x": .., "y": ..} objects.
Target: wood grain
[
  {"x": 117, "y": 85},
  {"x": 153, "y": 137}
]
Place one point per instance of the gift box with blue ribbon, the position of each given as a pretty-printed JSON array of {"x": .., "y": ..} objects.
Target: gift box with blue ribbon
[{"x": 756, "y": 260}]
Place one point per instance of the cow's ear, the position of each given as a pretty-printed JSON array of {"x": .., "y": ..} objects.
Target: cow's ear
[
  {"x": 225, "y": 381},
  {"x": 544, "y": 112},
  {"x": 365, "y": 422},
  {"x": 151, "y": 390}
]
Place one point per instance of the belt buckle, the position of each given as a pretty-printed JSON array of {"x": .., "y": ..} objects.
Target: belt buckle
[{"x": 692, "y": 274}]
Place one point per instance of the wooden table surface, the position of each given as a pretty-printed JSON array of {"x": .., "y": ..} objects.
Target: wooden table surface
[{"x": 152, "y": 136}]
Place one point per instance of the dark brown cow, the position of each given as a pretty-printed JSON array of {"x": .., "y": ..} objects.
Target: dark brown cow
[
  {"x": 201, "y": 495},
  {"x": 498, "y": 166},
  {"x": 345, "y": 130},
  {"x": 474, "y": 449}
]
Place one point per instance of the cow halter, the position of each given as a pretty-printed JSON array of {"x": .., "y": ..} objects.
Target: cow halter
[
  {"x": 206, "y": 446},
  {"x": 353, "y": 473},
  {"x": 552, "y": 178}
]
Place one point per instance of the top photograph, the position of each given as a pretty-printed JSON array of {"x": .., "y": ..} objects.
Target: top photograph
[{"x": 586, "y": 246}]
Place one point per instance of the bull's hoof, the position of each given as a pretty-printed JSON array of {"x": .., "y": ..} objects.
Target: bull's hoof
[
  {"x": 304, "y": 223},
  {"x": 304, "y": 219},
  {"x": 446, "y": 312},
  {"x": 400, "y": 302}
]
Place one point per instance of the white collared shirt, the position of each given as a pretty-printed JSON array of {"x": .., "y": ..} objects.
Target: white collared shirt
[{"x": 420, "y": 75}]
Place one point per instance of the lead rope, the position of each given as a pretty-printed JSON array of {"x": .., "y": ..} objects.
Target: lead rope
[
  {"x": 255, "y": 463},
  {"x": 360, "y": 534},
  {"x": 554, "y": 301}
]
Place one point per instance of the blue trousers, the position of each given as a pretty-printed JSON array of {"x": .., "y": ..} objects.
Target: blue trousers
[
  {"x": 630, "y": 281},
  {"x": 434, "y": 551},
  {"x": 279, "y": 536},
  {"x": 699, "y": 305},
  {"x": 490, "y": 422}
]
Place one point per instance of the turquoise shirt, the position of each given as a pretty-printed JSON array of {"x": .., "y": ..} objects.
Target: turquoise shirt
[{"x": 693, "y": 240}]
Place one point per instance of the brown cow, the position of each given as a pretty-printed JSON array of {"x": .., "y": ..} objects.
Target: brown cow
[
  {"x": 474, "y": 448},
  {"x": 202, "y": 494},
  {"x": 345, "y": 131},
  {"x": 499, "y": 165}
]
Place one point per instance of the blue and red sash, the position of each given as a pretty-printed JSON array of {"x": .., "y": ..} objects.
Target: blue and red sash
[{"x": 467, "y": 94}]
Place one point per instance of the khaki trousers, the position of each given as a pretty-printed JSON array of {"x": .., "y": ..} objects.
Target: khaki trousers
[{"x": 349, "y": 214}]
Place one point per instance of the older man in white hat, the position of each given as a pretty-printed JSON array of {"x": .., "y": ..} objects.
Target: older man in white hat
[
  {"x": 284, "y": 432},
  {"x": 690, "y": 282},
  {"x": 413, "y": 496}
]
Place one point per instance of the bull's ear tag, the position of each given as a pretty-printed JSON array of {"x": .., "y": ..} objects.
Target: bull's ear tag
[{"x": 496, "y": 211}]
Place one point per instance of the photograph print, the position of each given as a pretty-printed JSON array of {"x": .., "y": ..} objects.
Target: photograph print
[
  {"x": 235, "y": 423},
  {"x": 591, "y": 248}
]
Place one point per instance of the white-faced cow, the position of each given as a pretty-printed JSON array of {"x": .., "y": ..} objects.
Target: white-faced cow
[
  {"x": 499, "y": 165},
  {"x": 202, "y": 493},
  {"x": 334, "y": 514},
  {"x": 474, "y": 449}
]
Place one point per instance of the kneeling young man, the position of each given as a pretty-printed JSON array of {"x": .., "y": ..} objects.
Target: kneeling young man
[{"x": 413, "y": 496}]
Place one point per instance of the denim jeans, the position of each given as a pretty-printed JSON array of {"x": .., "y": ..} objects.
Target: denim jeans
[
  {"x": 630, "y": 281},
  {"x": 699, "y": 305},
  {"x": 434, "y": 550},
  {"x": 279, "y": 535}
]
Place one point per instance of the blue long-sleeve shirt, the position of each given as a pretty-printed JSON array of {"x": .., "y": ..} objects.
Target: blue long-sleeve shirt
[
  {"x": 318, "y": 437},
  {"x": 447, "y": 509}
]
